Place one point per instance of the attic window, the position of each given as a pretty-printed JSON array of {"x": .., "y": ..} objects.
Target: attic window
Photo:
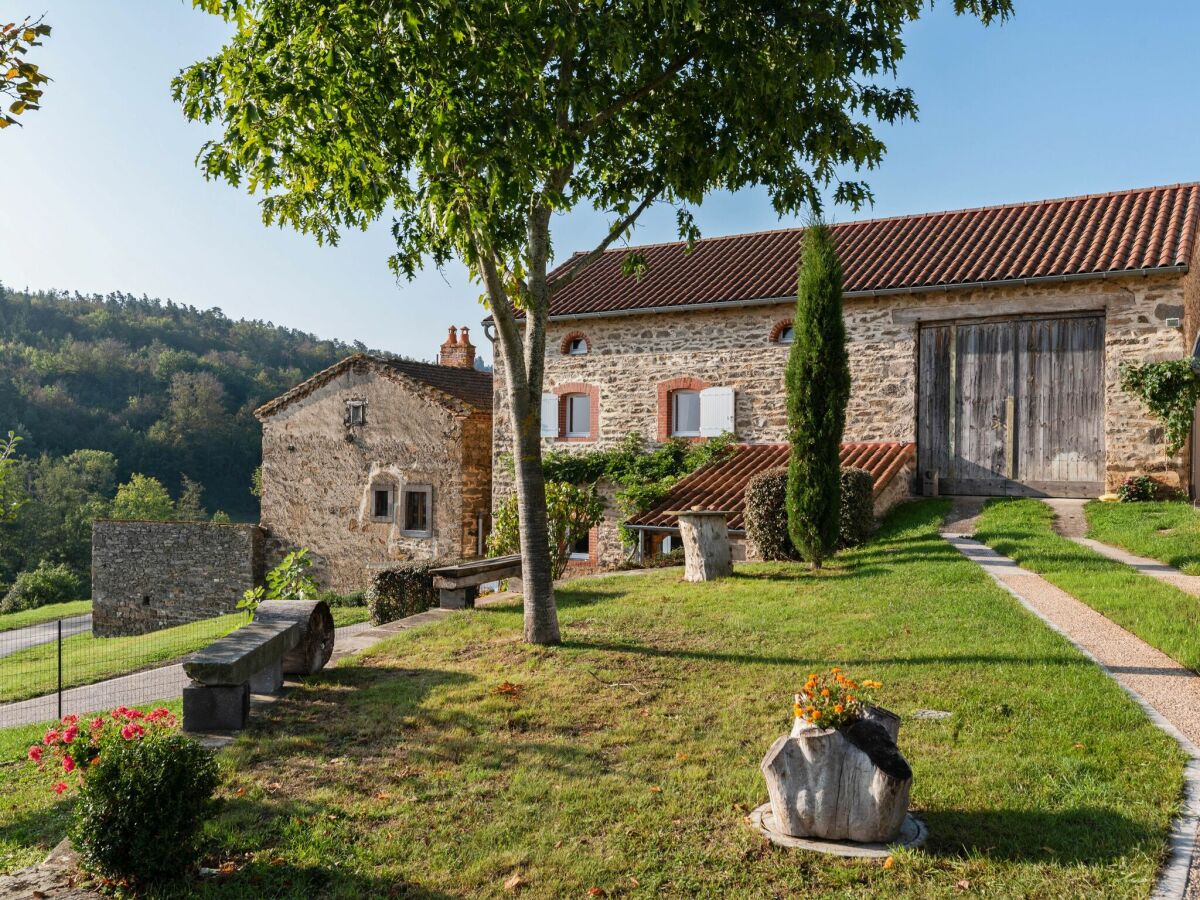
[
  {"x": 787, "y": 334},
  {"x": 577, "y": 347},
  {"x": 356, "y": 412}
]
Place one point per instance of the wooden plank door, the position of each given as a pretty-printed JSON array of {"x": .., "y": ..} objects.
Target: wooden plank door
[
  {"x": 1060, "y": 395},
  {"x": 983, "y": 372}
]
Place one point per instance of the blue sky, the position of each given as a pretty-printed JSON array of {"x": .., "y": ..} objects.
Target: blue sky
[{"x": 100, "y": 192}]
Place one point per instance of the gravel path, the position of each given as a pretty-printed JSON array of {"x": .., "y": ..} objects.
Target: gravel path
[
  {"x": 43, "y": 633},
  {"x": 1169, "y": 692}
]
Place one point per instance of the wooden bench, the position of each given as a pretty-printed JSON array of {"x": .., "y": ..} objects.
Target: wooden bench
[
  {"x": 287, "y": 636},
  {"x": 458, "y": 585}
]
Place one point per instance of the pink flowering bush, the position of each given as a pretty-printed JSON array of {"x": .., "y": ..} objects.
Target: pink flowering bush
[{"x": 142, "y": 790}]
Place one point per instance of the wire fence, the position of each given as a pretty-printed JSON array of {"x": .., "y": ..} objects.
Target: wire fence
[{"x": 58, "y": 667}]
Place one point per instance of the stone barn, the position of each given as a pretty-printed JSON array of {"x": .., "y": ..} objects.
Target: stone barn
[{"x": 375, "y": 459}]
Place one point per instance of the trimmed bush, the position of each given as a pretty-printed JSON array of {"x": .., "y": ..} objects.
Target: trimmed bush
[
  {"x": 403, "y": 590},
  {"x": 140, "y": 808},
  {"x": 766, "y": 515},
  {"x": 858, "y": 507},
  {"x": 44, "y": 585},
  {"x": 766, "y": 512}
]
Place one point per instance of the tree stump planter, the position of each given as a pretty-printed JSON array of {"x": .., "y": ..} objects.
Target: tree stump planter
[
  {"x": 706, "y": 551},
  {"x": 847, "y": 784}
]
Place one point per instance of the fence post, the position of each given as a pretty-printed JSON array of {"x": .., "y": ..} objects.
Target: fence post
[{"x": 60, "y": 712}]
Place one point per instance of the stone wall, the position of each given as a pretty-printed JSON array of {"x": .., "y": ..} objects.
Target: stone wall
[
  {"x": 151, "y": 575},
  {"x": 629, "y": 356},
  {"x": 319, "y": 475}
]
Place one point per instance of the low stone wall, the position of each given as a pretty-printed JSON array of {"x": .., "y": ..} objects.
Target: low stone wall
[{"x": 151, "y": 575}]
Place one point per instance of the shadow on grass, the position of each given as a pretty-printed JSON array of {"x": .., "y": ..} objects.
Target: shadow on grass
[
  {"x": 1088, "y": 835},
  {"x": 947, "y": 659}
]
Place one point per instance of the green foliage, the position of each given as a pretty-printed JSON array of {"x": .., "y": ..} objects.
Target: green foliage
[
  {"x": 189, "y": 507},
  {"x": 766, "y": 515},
  {"x": 140, "y": 808},
  {"x": 136, "y": 377},
  {"x": 64, "y": 495},
  {"x": 256, "y": 482},
  {"x": 1138, "y": 489},
  {"x": 642, "y": 476},
  {"x": 572, "y": 510},
  {"x": 292, "y": 579},
  {"x": 404, "y": 589},
  {"x": 767, "y": 520},
  {"x": 818, "y": 387},
  {"x": 1170, "y": 390},
  {"x": 20, "y": 80},
  {"x": 12, "y": 492},
  {"x": 48, "y": 583},
  {"x": 142, "y": 498},
  {"x": 221, "y": 517},
  {"x": 857, "y": 516}
]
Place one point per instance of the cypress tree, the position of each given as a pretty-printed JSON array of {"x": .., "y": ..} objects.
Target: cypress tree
[{"x": 818, "y": 388}]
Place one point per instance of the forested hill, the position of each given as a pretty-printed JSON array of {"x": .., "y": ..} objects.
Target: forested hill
[{"x": 169, "y": 390}]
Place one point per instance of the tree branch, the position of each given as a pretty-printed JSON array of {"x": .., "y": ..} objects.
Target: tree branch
[
  {"x": 673, "y": 68},
  {"x": 582, "y": 262}
]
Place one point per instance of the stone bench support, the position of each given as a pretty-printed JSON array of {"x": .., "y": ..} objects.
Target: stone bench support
[
  {"x": 458, "y": 585},
  {"x": 292, "y": 637}
]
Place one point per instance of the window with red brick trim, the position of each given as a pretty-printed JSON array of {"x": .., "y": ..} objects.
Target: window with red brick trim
[
  {"x": 781, "y": 332},
  {"x": 586, "y": 551},
  {"x": 576, "y": 400},
  {"x": 575, "y": 344},
  {"x": 666, "y": 403}
]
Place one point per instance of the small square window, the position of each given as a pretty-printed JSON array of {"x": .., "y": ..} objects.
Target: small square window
[
  {"x": 582, "y": 548},
  {"x": 685, "y": 413},
  {"x": 787, "y": 334},
  {"x": 579, "y": 415},
  {"x": 381, "y": 504},
  {"x": 577, "y": 347},
  {"x": 356, "y": 412},
  {"x": 418, "y": 510}
]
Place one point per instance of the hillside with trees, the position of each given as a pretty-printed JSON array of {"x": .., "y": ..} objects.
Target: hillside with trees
[{"x": 102, "y": 388}]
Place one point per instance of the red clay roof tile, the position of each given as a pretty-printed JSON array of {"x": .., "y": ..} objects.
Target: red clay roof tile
[
  {"x": 1126, "y": 231},
  {"x": 722, "y": 484}
]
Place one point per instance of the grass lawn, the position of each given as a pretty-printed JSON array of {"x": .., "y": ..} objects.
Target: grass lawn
[
  {"x": 453, "y": 757},
  {"x": 32, "y": 818},
  {"x": 86, "y": 659},
  {"x": 349, "y": 615},
  {"x": 1168, "y": 531},
  {"x": 9, "y": 621},
  {"x": 1162, "y": 616}
]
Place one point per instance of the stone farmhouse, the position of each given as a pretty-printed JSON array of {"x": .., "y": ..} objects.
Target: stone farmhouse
[
  {"x": 985, "y": 347},
  {"x": 375, "y": 460}
]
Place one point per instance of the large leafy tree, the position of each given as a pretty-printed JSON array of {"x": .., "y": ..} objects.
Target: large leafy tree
[
  {"x": 473, "y": 123},
  {"x": 20, "y": 80}
]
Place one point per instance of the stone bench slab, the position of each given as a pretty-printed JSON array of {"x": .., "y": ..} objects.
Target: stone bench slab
[{"x": 238, "y": 657}]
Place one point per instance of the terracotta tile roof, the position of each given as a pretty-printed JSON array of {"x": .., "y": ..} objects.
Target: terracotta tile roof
[
  {"x": 467, "y": 386},
  {"x": 1101, "y": 234},
  {"x": 722, "y": 484}
]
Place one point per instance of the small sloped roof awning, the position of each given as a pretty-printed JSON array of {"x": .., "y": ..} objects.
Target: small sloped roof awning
[{"x": 722, "y": 484}]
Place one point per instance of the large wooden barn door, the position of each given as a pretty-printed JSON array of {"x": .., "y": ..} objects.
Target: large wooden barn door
[{"x": 1013, "y": 407}]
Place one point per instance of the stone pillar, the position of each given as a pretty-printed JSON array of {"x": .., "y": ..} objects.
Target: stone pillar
[{"x": 706, "y": 551}]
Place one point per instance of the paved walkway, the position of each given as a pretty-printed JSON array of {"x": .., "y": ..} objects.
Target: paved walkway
[
  {"x": 162, "y": 683},
  {"x": 1168, "y": 692},
  {"x": 43, "y": 633}
]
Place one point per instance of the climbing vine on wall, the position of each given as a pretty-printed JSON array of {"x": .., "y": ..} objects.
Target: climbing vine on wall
[{"x": 1170, "y": 390}]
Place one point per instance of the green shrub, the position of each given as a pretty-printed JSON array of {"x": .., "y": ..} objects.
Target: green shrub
[
  {"x": 403, "y": 590},
  {"x": 333, "y": 598},
  {"x": 858, "y": 507},
  {"x": 572, "y": 510},
  {"x": 766, "y": 512},
  {"x": 140, "y": 808},
  {"x": 44, "y": 585},
  {"x": 1137, "y": 489},
  {"x": 766, "y": 515}
]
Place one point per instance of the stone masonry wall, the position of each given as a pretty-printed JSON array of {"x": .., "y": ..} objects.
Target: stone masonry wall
[
  {"x": 318, "y": 476},
  {"x": 629, "y": 356},
  {"x": 152, "y": 575}
]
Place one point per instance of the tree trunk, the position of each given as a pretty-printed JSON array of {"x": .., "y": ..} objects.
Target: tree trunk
[{"x": 541, "y": 613}]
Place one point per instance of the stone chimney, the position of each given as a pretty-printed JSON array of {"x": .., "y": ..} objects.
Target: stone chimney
[{"x": 458, "y": 351}]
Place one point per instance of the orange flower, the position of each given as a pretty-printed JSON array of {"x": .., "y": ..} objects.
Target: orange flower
[
  {"x": 824, "y": 692},
  {"x": 838, "y": 708}
]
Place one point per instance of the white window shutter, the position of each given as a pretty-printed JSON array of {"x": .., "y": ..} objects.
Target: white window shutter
[
  {"x": 716, "y": 411},
  {"x": 549, "y": 415}
]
